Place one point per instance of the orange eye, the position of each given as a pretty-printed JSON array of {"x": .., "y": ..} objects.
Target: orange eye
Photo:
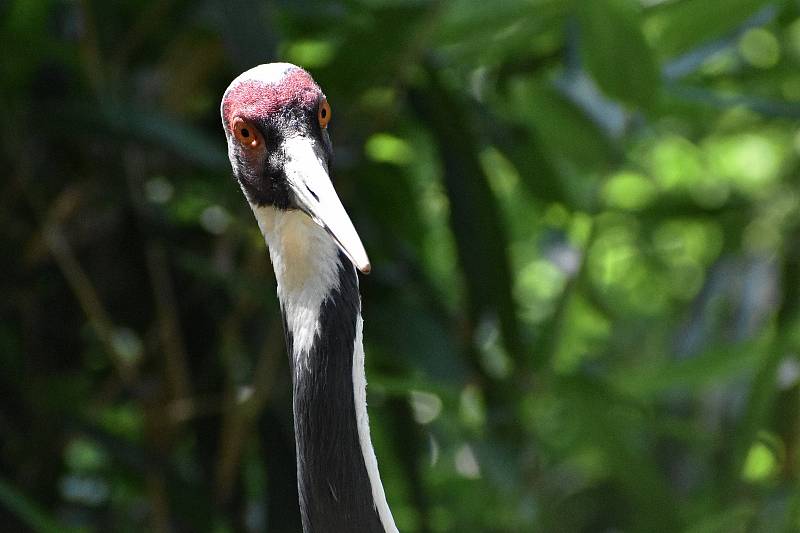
[
  {"x": 246, "y": 133},
  {"x": 324, "y": 113}
]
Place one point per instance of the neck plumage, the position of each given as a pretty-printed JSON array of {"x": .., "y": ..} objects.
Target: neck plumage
[{"x": 338, "y": 480}]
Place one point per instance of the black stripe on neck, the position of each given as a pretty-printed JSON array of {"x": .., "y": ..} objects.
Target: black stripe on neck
[{"x": 334, "y": 488}]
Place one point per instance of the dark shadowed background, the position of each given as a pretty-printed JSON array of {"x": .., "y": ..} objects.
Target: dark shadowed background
[{"x": 584, "y": 223}]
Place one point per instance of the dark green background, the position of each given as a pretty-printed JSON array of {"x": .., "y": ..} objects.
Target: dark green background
[{"x": 584, "y": 223}]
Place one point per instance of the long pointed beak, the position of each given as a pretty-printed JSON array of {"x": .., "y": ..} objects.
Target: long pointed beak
[{"x": 316, "y": 197}]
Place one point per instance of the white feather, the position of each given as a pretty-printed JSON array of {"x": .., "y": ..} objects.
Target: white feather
[
  {"x": 362, "y": 421},
  {"x": 305, "y": 259},
  {"x": 269, "y": 74}
]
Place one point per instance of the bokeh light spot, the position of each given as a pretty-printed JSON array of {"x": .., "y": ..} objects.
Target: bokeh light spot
[
  {"x": 310, "y": 53},
  {"x": 629, "y": 190},
  {"x": 760, "y": 48},
  {"x": 387, "y": 148}
]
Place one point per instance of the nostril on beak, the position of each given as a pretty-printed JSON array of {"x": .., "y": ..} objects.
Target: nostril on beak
[{"x": 312, "y": 193}]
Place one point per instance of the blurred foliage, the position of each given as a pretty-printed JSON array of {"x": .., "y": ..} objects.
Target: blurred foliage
[{"x": 584, "y": 222}]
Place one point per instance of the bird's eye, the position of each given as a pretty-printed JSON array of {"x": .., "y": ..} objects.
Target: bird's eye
[
  {"x": 247, "y": 134},
  {"x": 324, "y": 113}
]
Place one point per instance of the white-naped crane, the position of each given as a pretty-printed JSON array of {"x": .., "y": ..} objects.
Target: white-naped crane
[{"x": 275, "y": 119}]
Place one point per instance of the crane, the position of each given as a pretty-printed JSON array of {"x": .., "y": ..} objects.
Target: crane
[{"x": 275, "y": 119}]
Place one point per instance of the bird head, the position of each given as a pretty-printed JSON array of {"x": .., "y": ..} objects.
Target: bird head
[{"x": 276, "y": 122}]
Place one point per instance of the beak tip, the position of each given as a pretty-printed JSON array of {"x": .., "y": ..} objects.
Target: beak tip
[{"x": 365, "y": 268}]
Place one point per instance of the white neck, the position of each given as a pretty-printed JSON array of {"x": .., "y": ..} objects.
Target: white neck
[{"x": 305, "y": 260}]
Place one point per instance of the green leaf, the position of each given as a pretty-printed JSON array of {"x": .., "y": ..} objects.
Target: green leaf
[
  {"x": 733, "y": 520},
  {"x": 716, "y": 365},
  {"x": 480, "y": 238},
  {"x": 153, "y": 128},
  {"x": 678, "y": 26},
  {"x": 566, "y": 134},
  {"x": 27, "y": 511},
  {"x": 165, "y": 131},
  {"x": 616, "y": 52}
]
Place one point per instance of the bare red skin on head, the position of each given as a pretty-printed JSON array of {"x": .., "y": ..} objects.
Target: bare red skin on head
[{"x": 253, "y": 98}]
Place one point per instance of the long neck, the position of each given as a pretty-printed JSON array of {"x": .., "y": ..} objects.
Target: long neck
[{"x": 338, "y": 480}]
